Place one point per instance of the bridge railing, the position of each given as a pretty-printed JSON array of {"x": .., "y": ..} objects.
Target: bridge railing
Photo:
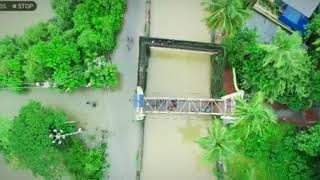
[{"x": 185, "y": 106}]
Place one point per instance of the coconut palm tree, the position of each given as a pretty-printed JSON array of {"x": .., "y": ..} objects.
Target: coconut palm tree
[
  {"x": 284, "y": 50},
  {"x": 220, "y": 142},
  {"x": 253, "y": 117},
  {"x": 225, "y": 16}
]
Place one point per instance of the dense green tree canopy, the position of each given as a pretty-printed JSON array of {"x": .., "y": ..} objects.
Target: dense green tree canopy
[
  {"x": 281, "y": 70},
  {"x": 313, "y": 32},
  {"x": 288, "y": 61},
  {"x": 282, "y": 152},
  {"x": 63, "y": 50},
  {"x": 11, "y": 62},
  {"x": 98, "y": 22},
  {"x": 308, "y": 141},
  {"x": 226, "y": 16},
  {"x": 26, "y": 143},
  {"x": 275, "y": 154},
  {"x": 5, "y": 126},
  {"x": 244, "y": 54},
  {"x": 102, "y": 73},
  {"x": 86, "y": 164},
  {"x": 29, "y": 140}
]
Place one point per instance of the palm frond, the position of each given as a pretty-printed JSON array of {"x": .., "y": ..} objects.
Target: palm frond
[
  {"x": 254, "y": 117},
  {"x": 226, "y": 16},
  {"x": 220, "y": 142}
]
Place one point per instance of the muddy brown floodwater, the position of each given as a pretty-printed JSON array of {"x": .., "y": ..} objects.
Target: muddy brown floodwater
[{"x": 170, "y": 151}]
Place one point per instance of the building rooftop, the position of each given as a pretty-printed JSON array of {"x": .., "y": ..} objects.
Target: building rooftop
[{"x": 306, "y": 7}]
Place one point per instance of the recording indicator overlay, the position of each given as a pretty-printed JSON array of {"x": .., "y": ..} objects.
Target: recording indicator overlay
[{"x": 18, "y": 6}]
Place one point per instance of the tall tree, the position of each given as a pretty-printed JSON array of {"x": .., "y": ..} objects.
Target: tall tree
[
  {"x": 225, "y": 16},
  {"x": 220, "y": 142},
  {"x": 254, "y": 117}
]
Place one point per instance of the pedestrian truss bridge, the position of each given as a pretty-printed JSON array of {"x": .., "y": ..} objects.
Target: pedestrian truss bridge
[
  {"x": 155, "y": 105},
  {"x": 223, "y": 107}
]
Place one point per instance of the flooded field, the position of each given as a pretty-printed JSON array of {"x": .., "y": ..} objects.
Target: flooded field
[
  {"x": 170, "y": 151},
  {"x": 73, "y": 104},
  {"x": 9, "y": 173}
]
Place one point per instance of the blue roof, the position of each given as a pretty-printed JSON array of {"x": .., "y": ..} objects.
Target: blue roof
[{"x": 294, "y": 19}]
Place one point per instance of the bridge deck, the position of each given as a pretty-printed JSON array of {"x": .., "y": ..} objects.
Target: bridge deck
[{"x": 160, "y": 105}]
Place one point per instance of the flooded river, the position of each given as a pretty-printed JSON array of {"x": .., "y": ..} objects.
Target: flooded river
[{"x": 170, "y": 151}]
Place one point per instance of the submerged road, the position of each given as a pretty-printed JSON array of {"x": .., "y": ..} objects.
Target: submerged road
[
  {"x": 125, "y": 132},
  {"x": 114, "y": 111}
]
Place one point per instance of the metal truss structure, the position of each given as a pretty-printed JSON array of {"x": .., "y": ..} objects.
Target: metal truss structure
[{"x": 162, "y": 105}]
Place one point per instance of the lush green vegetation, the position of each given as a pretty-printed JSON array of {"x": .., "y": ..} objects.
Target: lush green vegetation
[
  {"x": 220, "y": 143},
  {"x": 253, "y": 116},
  {"x": 280, "y": 152},
  {"x": 281, "y": 70},
  {"x": 5, "y": 126},
  {"x": 270, "y": 6},
  {"x": 284, "y": 71},
  {"x": 313, "y": 32},
  {"x": 225, "y": 16},
  {"x": 26, "y": 143},
  {"x": 65, "y": 50}
]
